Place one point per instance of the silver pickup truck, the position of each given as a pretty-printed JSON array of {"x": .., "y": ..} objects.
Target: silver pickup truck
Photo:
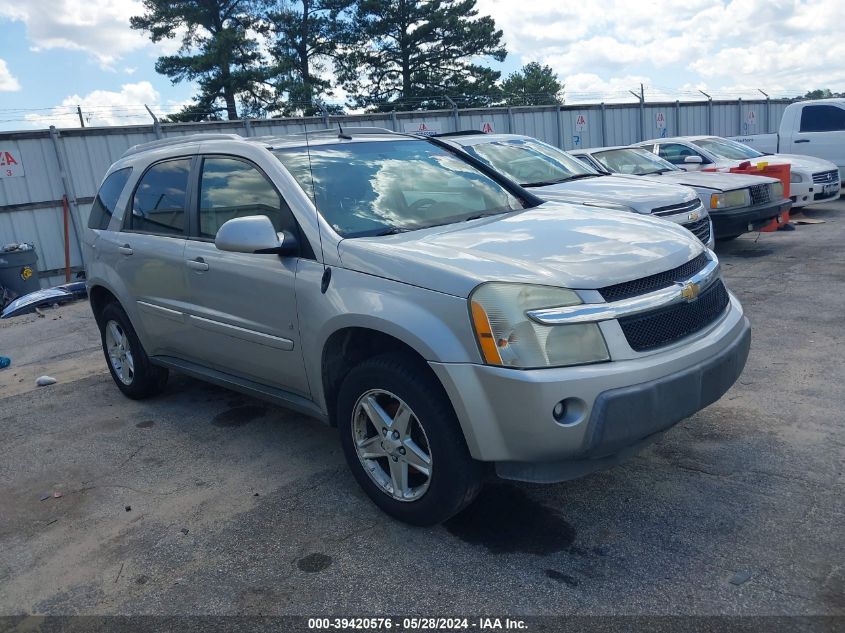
[{"x": 449, "y": 323}]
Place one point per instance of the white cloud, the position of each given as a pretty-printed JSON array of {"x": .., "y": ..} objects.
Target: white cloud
[
  {"x": 105, "y": 107},
  {"x": 8, "y": 82},
  {"x": 731, "y": 44},
  {"x": 97, "y": 27}
]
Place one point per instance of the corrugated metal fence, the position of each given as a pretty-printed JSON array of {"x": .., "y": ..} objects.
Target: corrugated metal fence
[{"x": 72, "y": 162}]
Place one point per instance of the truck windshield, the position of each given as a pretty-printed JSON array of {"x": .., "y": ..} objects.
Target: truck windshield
[
  {"x": 529, "y": 162},
  {"x": 638, "y": 162},
  {"x": 391, "y": 186},
  {"x": 728, "y": 149}
]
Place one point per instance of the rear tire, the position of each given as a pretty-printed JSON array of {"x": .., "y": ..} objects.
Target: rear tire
[
  {"x": 396, "y": 423},
  {"x": 126, "y": 359}
]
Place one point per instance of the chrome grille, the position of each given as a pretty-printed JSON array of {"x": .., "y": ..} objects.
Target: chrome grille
[
  {"x": 701, "y": 229},
  {"x": 672, "y": 209},
  {"x": 826, "y": 177},
  {"x": 653, "y": 282},
  {"x": 760, "y": 194}
]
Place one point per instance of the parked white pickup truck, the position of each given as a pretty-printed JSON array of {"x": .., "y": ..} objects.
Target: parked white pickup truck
[{"x": 812, "y": 128}]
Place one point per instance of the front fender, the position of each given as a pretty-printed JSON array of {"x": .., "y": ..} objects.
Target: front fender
[{"x": 434, "y": 324}]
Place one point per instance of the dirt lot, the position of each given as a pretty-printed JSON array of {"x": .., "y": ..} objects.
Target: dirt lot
[{"x": 205, "y": 501}]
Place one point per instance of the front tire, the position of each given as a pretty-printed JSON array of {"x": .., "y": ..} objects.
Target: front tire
[
  {"x": 127, "y": 361},
  {"x": 402, "y": 440}
]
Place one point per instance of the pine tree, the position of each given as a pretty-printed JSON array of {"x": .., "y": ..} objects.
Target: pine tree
[
  {"x": 410, "y": 53},
  {"x": 307, "y": 35},
  {"x": 217, "y": 51},
  {"x": 533, "y": 84}
]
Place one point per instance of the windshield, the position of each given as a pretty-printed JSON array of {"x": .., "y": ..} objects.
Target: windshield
[
  {"x": 728, "y": 149},
  {"x": 382, "y": 187},
  {"x": 530, "y": 162},
  {"x": 638, "y": 162}
]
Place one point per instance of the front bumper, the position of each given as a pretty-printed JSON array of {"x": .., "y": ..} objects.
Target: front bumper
[
  {"x": 733, "y": 222},
  {"x": 806, "y": 193},
  {"x": 614, "y": 407}
]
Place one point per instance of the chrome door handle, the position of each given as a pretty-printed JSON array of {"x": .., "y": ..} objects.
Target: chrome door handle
[
  {"x": 125, "y": 249},
  {"x": 197, "y": 264}
]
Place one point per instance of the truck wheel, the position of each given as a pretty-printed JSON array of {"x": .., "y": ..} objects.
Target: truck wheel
[
  {"x": 128, "y": 363},
  {"x": 402, "y": 441}
]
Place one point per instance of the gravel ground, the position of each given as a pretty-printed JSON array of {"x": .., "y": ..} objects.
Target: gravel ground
[{"x": 203, "y": 501}]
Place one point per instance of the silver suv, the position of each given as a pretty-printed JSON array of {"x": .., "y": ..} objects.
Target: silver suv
[{"x": 447, "y": 321}]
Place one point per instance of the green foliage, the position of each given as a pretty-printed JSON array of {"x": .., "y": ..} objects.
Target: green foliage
[
  {"x": 306, "y": 36},
  {"x": 824, "y": 93},
  {"x": 216, "y": 51},
  {"x": 533, "y": 84},
  {"x": 409, "y": 53}
]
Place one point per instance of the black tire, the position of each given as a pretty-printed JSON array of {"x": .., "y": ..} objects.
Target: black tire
[
  {"x": 455, "y": 478},
  {"x": 146, "y": 379}
]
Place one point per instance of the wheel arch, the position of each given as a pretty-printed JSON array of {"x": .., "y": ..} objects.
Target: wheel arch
[{"x": 350, "y": 345}]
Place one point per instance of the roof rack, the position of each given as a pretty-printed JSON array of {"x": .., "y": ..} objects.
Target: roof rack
[
  {"x": 180, "y": 140},
  {"x": 459, "y": 133},
  {"x": 346, "y": 130}
]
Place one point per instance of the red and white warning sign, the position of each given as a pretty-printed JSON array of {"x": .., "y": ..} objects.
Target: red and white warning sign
[
  {"x": 426, "y": 129},
  {"x": 580, "y": 123},
  {"x": 660, "y": 120},
  {"x": 487, "y": 127},
  {"x": 11, "y": 165}
]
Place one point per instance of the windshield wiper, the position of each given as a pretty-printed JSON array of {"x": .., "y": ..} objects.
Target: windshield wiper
[
  {"x": 478, "y": 216},
  {"x": 393, "y": 230},
  {"x": 544, "y": 183}
]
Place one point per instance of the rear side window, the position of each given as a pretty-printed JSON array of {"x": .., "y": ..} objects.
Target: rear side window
[
  {"x": 158, "y": 205},
  {"x": 107, "y": 197},
  {"x": 231, "y": 188},
  {"x": 676, "y": 153},
  {"x": 822, "y": 118}
]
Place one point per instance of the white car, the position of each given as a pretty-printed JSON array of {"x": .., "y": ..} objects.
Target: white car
[
  {"x": 734, "y": 201},
  {"x": 812, "y": 180},
  {"x": 552, "y": 174}
]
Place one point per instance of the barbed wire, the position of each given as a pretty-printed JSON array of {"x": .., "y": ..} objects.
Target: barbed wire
[{"x": 96, "y": 113}]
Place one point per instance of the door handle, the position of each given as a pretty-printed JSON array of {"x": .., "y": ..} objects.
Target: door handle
[
  {"x": 125, "y": 249},
  {"x": 802, "y": 140},
  {"x": 197, "y": 264}
]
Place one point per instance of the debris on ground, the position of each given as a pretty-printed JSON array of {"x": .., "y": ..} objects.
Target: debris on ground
[
  {"x": 741, "y": 577},
  {"x": 48, "y": 297},
  {"x": 40, "y": 312},
  {"x": 5, "y": 361},
  {"x": 184, "y": 530},
  {"x": 43, "y": 381},
  {"x": 128, "y": 508}
]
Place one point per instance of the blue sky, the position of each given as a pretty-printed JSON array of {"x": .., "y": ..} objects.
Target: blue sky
[{"x": 60, "y": 53}]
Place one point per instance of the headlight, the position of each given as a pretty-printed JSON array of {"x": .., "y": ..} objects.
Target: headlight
[
  {"x": 730, "y": 199},
  {"x": 507, "y": 337},
  {"x": 793, "y": 177},
  {"x": 776, "y": 190}
]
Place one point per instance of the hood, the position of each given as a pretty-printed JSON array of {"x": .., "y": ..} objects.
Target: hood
[
  {"x": 641, "y": 195},
  {"x": 714, "y": 180},
  {"x": 800, "y": 164},
  {"x": 553, "y": 244}
]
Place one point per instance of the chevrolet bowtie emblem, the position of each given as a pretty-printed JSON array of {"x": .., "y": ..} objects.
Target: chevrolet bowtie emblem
[
  {"x": 692, "y": 217},
  {"x": 690, "y": 291}
]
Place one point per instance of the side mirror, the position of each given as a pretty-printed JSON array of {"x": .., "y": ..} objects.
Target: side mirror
[
  {"x": 254, "y": 234},
  {"x": 693, "y": 160}
]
